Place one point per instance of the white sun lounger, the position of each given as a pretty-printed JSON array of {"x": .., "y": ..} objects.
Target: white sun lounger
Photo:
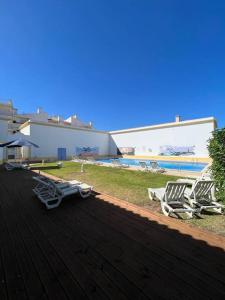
[
  {"x": 154, "y": 167},
  {"x": 201, "y": 196},
  {"x": 144, "y": 165},
  {"x": 52, "y": 193},
  {"x": 44, "y": 182},
  {"x": 78, "y": 159},
  {"x": 117, "y": 163},
  {"x": 9, "y": 166},
  {"x": 93, "y": 161},
  {"x": 172, "y": 199}
]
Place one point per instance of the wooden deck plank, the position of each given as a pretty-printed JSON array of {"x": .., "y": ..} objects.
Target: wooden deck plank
[
  {"x": 70, "y": 287},
  {"x": 66, "y": 286},
  {"x": 46, "y": 275},
  {"x": 32, "y": 282},
  {"x": 160, "y": 242},
  {"x": 84, "y": 274},
  {"x": 92, "y": 249},
  {"x": 100, "y": 262},
  {"x": 87, "y": 273},
  {"x": 13, "y": 277},
  {"x": 3, "y": 290},
  {"x": 3, "y": 287},
  {"x": 96, "y": 241},
  {"x": 148, "y": 267},
  {"x": 121, "y": 266},
  {"x": 49, "y": 280},
  {"x": 79, "y": 252}
]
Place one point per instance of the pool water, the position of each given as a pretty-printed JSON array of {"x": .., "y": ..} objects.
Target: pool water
[{"x": 172, "y": 165}]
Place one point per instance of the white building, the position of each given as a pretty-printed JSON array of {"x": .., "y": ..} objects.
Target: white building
[
  {"x": 56, "y": 137},
  {"x": 180, "y": 138},
  {"x": 61, "y": 139}
]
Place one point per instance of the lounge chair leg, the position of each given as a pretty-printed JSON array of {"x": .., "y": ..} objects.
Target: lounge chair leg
[
  {"x": 56, "y": 204},
  {"x": 192, "y": 203},
  {"x": 85, "y": 194},
  {"x": 151, "y": 195},
  {"x": 200, "y": 210},
  {"x": 165, "y": 211},
  {"x": 218, "y": 210},
  {"x": 197, "y": 213},
  {"x": 190, "y": 215}
]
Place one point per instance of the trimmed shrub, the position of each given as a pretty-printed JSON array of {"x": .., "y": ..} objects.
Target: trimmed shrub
[{"x": 216, "y": 149}]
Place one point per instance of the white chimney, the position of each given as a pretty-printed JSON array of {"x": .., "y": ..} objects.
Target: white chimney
[
  {"x": 10, "y": 103},
  {"x": 39, "y": 110},
  {"x": 177, "y": 119}
]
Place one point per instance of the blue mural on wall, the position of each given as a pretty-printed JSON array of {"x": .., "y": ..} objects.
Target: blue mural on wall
[
  {"x": 87, "y": 151},
  {"x": 125, "y": 150},
  {"x": 176, "y": 150}
]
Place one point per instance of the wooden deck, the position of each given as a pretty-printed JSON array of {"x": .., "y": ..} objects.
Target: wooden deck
[{"x": 91, "y": 249}]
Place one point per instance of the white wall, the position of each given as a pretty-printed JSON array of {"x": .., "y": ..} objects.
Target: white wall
[
  {"x": 6, "y": 136},
  {"x": 50, "y": 138},
  {"x": 148, "y": 142},
  {"x": 3, "y": 130}
]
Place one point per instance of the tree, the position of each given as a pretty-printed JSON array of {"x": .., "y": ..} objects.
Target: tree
[{"x": 216, "y": 149}]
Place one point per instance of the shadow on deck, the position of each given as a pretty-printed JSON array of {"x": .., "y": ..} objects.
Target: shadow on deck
[{"x": 93, "y": 249}]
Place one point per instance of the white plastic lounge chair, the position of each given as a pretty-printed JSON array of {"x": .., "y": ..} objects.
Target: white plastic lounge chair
[
  {"x": 43, "y": 184},
  {"x": 55, "y": 194},
  {"x": 52, "y": 194},
  {"x": 154, "y": 167},
  {"x": 117, "y": 163},
  {"x": 78, "y": 159},
  {"x": 172, "y": 199},
  {"x": 93, "y": 161},
  {"x": 201, "y": 196},
  {"x": 206, "y": 173},
  {"x": 144, "y": 165},
  {"x": 9, "y": 166},
  {"x": 188, "y": 181}
]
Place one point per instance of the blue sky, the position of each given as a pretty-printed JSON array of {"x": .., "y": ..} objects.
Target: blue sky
[{"x": 120, "y": 63}]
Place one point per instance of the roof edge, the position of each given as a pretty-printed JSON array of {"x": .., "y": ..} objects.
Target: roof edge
[
  {"x": 166, "y": 125},
  {"x": 60, "y": 126}
]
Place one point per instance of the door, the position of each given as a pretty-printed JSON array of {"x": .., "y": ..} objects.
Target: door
[{"x": 61, "y": 153}]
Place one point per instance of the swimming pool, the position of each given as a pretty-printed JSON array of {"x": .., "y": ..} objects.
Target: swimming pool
[{"x": 172, "y": 165}]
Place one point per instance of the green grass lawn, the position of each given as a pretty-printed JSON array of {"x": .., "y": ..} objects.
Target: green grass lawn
[
  {"x": 125, "y": 184},
  {"x": 210, "y": 222},
  {"x": 128, "y": 185}
]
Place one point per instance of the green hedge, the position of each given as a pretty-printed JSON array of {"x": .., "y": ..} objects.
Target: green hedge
[{"x": 216, "y": 149}]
